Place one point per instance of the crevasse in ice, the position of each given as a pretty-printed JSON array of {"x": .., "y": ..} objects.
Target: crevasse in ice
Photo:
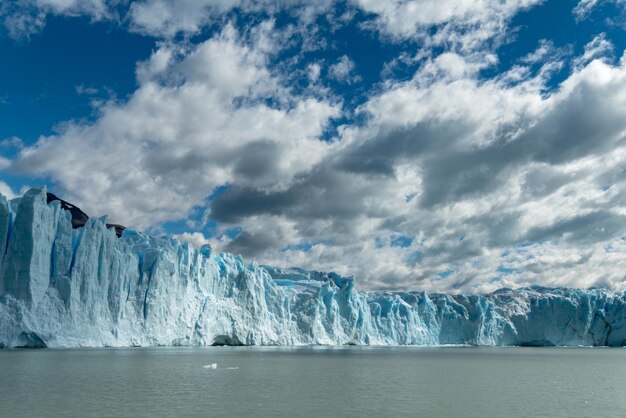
[{"x": 86, "y": 287}]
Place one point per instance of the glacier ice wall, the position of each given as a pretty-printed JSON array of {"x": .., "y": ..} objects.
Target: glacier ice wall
[{"x": 86, "y": 287}]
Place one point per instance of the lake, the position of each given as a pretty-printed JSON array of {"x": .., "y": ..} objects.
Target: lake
[{"x": 314, "y": 381}]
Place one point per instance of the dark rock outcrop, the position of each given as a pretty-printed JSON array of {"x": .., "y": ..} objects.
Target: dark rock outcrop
[{"x": 80, "y": 218}]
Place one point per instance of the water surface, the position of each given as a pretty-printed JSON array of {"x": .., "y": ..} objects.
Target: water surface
[{"x": 342, "y": 382}]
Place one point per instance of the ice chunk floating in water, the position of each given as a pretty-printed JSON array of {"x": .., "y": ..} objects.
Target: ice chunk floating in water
[{"x": 61, "y": 286}]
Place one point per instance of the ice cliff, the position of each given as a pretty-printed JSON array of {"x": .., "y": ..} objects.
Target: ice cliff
[{"x": 61, "y": 286}]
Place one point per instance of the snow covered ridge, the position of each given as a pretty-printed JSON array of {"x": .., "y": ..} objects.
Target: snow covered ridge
[{"x": 86, "y": 287}]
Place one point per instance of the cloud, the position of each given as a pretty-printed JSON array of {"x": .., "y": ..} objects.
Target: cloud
[
  {"x": 197, "y": 239},
  {"x": 598, "y": 48},
  {"x": 213, "y": 115},
  {"x": 544, "y": 51},
  {"x": 12, "y": 142},
  {"x": 459, "y": 25},
  {"x": 22, "y": 18},
  {"x": 81, "y": 89},
  {"x": 313, "y": 72},
  {"x": 584, "y": 8},
  {"x": 159, "y": 18},
  {"x": 342, "y": 71},
  {"x": 466, "y": 183},
  {"x": 4, "y": 163},
  {"x": 6, "y": 190},
  {"x": 166, "y": 18}
]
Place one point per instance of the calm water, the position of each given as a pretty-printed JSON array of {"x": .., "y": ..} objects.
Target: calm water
[{"x": 350, "y": 382}]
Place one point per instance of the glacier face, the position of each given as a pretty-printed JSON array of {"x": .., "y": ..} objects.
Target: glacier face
[{"x": 86, "y": 287}]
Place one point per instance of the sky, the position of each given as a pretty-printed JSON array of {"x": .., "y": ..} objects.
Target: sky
[{"x": 443, "y": 145}]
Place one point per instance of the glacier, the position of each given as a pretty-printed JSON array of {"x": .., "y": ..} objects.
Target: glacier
[{"x": 86, "y": 287}]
